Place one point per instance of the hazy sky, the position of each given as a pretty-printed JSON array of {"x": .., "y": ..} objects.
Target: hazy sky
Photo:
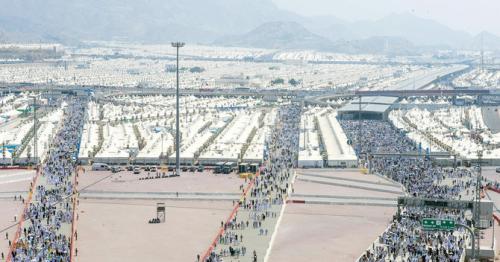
[{"x": 469, "y": 15}]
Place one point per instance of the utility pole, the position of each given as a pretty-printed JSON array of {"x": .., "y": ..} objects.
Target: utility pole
[
  {"x": 359, "y": 128},
  {"x": 305, "y": 119},
  {"x": 482, "y": 53},
  {"x": 177, "y": 45},
  {"x": 477, "y": 202},
  {"x": 35, "y": 140},
  {"x": 161, "y": 155}
]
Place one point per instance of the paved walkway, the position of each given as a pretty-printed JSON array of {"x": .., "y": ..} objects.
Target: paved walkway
[
  {"x": 347, "y": 180},
  {"x": 158, "y": 195},
  {"x": 343, "y": 183},
  {"x": 249, "y": 235},
  {"x": 343, "y": 200},
  {"x": 45, "y": 227},
  {"x": 491, "y": 117}
]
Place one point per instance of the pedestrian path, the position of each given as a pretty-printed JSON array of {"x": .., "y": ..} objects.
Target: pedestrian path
[
  {"x": 311, "y": 199},
  {"x": 350, "y": 184},
  {"x": 159, "y": 195},
  {"x": 344, "y": 201},
  {"x": 247, "y": 236},
  {"x": 358, "y": 181},
  {"x": 16, "y": 177},
  {"x": 12, "y": 194},
  {"x": 46, "y": 234}
]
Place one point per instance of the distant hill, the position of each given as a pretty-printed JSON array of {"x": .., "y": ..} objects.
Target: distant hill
[
  {"x": 377, "y": 45},
  {"x": 278, "y": 35},
  {"x": 486, "y": 40},
  {"x": 254, "y": 23},
  {"x": 132, "y": 20},
  {"x": 419, "y": 31},
  {"x": 292, "y": 35}
]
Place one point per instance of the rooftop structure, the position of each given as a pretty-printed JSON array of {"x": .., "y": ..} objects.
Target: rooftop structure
[{"x": 371, "y": 108}]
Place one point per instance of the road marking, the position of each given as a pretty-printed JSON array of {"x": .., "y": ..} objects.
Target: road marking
[{"x": 271, "y": 242}]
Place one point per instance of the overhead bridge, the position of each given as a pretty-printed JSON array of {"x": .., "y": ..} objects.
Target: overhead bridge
[
  {"x": 411, "y": 154},
  {"x": 432, "y": 92},
  {"x": 113, "y": 90}
]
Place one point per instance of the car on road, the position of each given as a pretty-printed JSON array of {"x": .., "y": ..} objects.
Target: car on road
[
  {"x": 137, "y": 170},
  {"x": 100, "y": 167},
  {"x": 497, "y": 170}
]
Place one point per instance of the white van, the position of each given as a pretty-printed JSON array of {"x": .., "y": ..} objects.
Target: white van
[{"x": 100, "y": 167}]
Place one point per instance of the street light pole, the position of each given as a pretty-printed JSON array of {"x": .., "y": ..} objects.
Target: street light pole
[
  {"x": 477, "y": 209},
  {"x": 359, "y": 128},
  {"x": 161, "y": 155},
  {"x": 35, "y": 138},
  {"x": 177, "y": 45}
]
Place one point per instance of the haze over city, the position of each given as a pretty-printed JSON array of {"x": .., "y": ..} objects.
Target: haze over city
[
  {"x": 470, "y": 16},
  {"x": 249, "y": 130}
]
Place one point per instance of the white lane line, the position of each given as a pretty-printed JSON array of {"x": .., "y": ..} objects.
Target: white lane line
[
  {"x": 271, "y": 242},
  {"x": 15, "y": 180},
  {"x": 18, "y": 174}
]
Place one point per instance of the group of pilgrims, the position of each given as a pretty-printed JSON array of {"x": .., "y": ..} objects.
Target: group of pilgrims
[
  {"x": 46, "y": 232},
  {"x": 405, "y": 239},
  {"x": 260, "y": 208}
]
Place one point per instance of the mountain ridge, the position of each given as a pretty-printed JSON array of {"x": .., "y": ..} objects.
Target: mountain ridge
[{"x": 205, "y": 22}]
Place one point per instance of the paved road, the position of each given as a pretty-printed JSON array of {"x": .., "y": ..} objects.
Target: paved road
[
  {"x": 491, "y": 118},
  {"x": 16, "y": 176},
  {"x": 258, "y": 217},
  {"x": 372, "y": 187},
  {"x": 159, "y": 195}
]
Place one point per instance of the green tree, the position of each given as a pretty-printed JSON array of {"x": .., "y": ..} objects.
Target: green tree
[
  {"x": 277, "y": 81},
  {"x": 294, "y": 82}
]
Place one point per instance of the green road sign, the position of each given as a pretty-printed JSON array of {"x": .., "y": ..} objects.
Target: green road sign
[{"x": 438, "y": 224}]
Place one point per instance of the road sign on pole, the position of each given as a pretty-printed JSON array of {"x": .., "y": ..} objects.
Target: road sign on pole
[{"x": 438, "y": 224}]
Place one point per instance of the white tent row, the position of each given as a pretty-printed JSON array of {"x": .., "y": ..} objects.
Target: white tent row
[
  {"x": 339, "y": 153},
  {"x": 309, "y": 144},
  {"x": 396, "y": 118},
  {"x": 119, "y": 141},
  {"x": 155, "y": 122},
  {"x": 227, "y": 146},
  {"x": 450, "y": 126},
  {"x": 255, "y": 150},
  {"x": 45, "y": 133}
]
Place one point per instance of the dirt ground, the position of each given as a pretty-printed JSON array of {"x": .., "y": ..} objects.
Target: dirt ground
[
  {"x": 328, "y": 232},
  {"x": 119, "y": 231},
  {"x": 12, "y": 182},
  {"x": 187, "y": 182}
]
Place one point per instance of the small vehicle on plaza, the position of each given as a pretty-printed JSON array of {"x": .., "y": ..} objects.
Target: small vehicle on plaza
[
  {"x": 100, "y": 167},
  {"x": 115, "y": 169}
]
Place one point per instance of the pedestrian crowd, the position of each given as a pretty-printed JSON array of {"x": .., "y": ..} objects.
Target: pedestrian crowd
[
  {"x": 376, "y": 136},
  {"x": 46, "y": 234},
  {"x": 405, "y": 239},
  {"x": 269, "y": 191}
]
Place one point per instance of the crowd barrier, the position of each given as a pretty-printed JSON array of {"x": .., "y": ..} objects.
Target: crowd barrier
[
  {"x": 231, "y": 216},
  {"x": 73, "y": 222},
  {"x": 22, "y": 217}
]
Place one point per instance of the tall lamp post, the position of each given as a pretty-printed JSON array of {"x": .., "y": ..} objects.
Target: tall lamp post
[
  {"x": 177, "y": 45},
  {"x": 35, "y": 138}
]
